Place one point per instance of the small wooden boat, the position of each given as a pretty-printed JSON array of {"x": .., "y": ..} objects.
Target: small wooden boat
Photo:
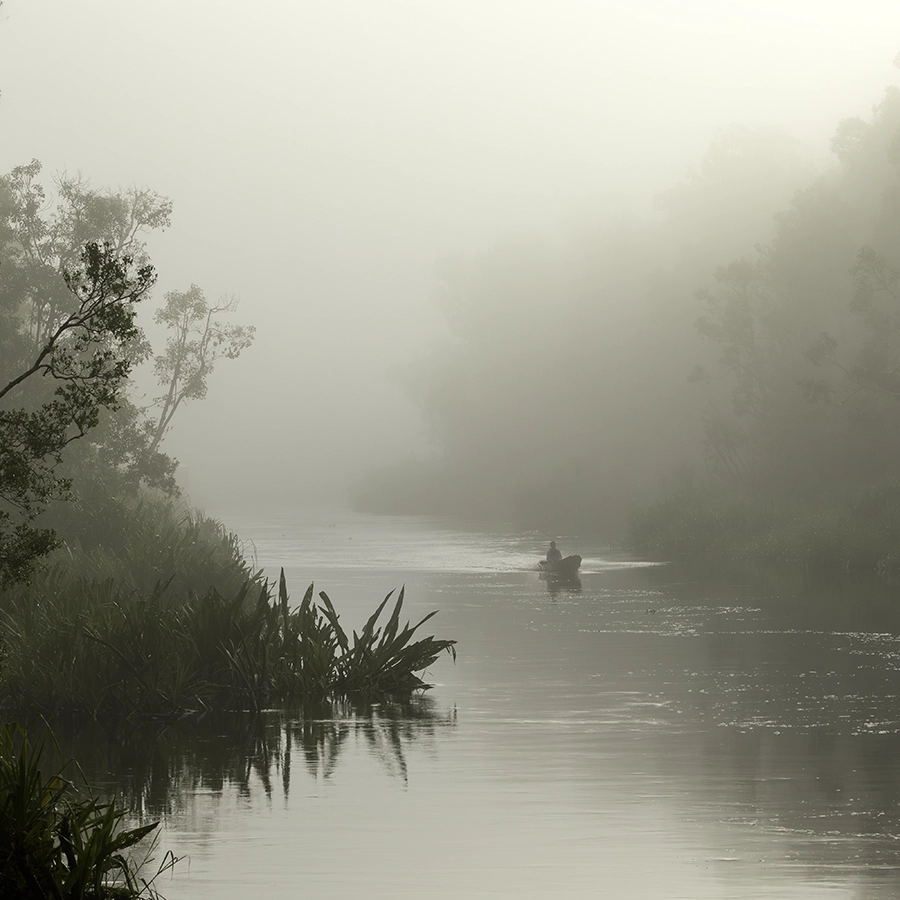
[{"x": 569, "y": 565}]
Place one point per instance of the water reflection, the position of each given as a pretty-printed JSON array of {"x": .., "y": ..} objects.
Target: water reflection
[
  {"x": 757, "y": 709},
  {"x": 651, "y": 731},
  {"x": 560, "y": 581},
  {"x": 160, "y": 769},
  {"x": 781, "y": 693}
]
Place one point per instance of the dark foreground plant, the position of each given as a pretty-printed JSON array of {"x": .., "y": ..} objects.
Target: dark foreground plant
[
  {"x": 104, "y": 649},
  {"x": 58, "y": 842},
  {"x": 382, "y": 661}
]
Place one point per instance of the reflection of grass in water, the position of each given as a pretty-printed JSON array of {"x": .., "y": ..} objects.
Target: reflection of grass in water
[{"x": 169, "y": 763}]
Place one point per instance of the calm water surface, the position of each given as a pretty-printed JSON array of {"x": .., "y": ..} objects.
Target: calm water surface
[{"x": 649, "y": 732}]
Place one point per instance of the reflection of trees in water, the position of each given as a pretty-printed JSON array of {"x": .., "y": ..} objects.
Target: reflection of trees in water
[
  {"x": 827, "y": 802},
  {"x": 159, "y": 769},
  {"x": 801, "y": 700}
]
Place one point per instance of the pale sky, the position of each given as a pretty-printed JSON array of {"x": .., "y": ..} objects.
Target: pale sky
[{"x": 323, "y": 156}]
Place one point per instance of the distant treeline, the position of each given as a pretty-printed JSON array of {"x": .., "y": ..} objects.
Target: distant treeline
[{"x": 747, "y": 343}]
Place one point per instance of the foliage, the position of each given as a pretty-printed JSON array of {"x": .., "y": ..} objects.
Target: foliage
[
  {"x": 83, "y": 347},
  {"x": 198, "y": 338},
  {"x": 103, "y": 650},
  {"x": 57, "y": 841},
  {"x": 875, "y": 370},
  {"x": 559, "y": 393},
  {"x": 801, "y": 418},
  {"x": 140, "y": 543},
  {"x": 163, "y": 615},
  {"x": 70, "y": 278},
  {"x": 380, "y": 660},
  {"x": 71, "y": 271},
  {"x": 809, "y": 333},
  {"x": 563, "y": 387}
]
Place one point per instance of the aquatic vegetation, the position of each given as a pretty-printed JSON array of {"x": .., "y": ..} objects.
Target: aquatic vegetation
[
  {"x": 59, "y": 841},
  {"x": 144, "y": 542},
  {"x": 382, "y": 661},
  {"x": 154, "y": 611},
  {"x": 104, "y": 649}
]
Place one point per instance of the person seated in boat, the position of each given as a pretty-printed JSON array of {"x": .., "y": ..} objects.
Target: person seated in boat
[{"x": 553, "y": 555}]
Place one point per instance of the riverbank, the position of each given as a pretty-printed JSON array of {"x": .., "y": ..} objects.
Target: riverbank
[
  {"x": 166, "y": 616},
  {"x": 152, "y": 613},
  {"x": 857, "y": 532}
]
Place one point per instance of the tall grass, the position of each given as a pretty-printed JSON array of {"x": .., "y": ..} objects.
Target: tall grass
[
  {"x": 162, "y": 615},
  {"x": 103, "y": 649},
  {"x": 58, "y": 841},
  {"x": 151, "y": 541}
]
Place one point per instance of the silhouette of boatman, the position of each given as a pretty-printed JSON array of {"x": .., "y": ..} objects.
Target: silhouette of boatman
[{"x": 553, "y": 555}]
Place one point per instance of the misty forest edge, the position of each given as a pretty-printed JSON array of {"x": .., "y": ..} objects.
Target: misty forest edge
[
  {"x": 119, "y": 601},
  {"x": 721, "y": 382}
]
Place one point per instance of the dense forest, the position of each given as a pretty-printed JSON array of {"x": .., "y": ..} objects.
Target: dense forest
[{"x": 735, "y": 358}]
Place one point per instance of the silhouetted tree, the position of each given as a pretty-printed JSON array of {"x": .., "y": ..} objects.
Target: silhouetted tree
[
  {"x": 809, "y": 329},
  {"x": 71, "y": 271},
  {"x": 84, "y": 347},
  {"x": 198, "y": 338}
]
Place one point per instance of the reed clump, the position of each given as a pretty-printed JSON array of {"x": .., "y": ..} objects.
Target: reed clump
[
  {"x": 102, "y": 648},
  {"x": 160, "y": 614},
  {"x": 61, "y": 842}
]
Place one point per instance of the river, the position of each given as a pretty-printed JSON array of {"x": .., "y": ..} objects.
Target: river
[{"x": 652, "y": 731}]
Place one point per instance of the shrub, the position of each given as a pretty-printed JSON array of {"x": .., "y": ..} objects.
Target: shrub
[
  {"x": 57, "y": 841},
  {"x": 103, "y": 649}
]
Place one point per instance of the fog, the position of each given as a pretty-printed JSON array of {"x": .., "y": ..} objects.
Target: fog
[{"x": 327, "y": 159}]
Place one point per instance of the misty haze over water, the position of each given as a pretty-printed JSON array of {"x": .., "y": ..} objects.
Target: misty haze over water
[{"x": 476, "y": 275}]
